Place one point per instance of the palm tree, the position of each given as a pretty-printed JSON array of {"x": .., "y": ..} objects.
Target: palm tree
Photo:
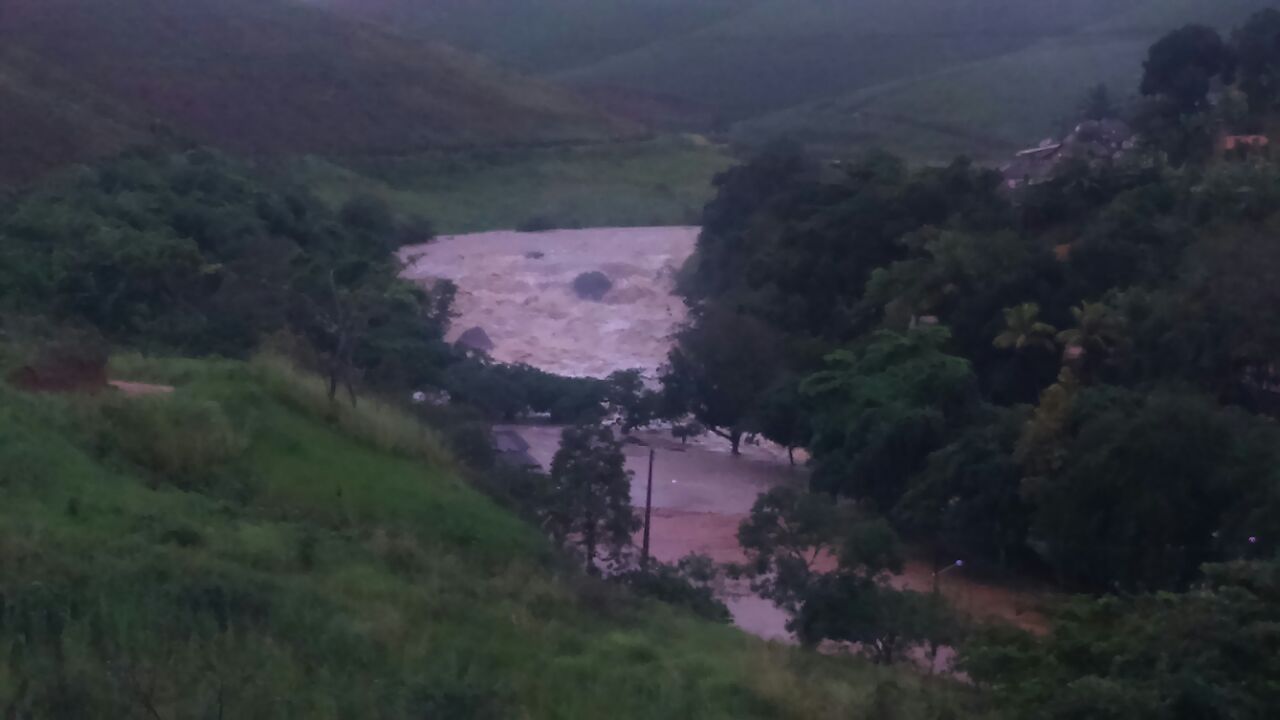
[
  {"x": 1098, "y": 334},
  {"x": 1024, "y": 331}
]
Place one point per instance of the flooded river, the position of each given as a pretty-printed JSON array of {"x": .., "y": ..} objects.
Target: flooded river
[{"x": 517, "y": 287}]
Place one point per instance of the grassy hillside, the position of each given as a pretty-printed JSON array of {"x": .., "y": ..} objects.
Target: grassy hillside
[
  {"x": 254, "y": 76},
  {"x": 238, "y": 550},
  {"x": 998, "y": 105},
  {"x": 779, "y": 53},
  {"x": 546, "y": 35},
  {"x": 660, "y": 182}
]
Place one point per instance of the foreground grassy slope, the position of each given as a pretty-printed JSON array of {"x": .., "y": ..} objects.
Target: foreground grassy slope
[
  {"x": 995, "y": 106},
  {"x": 265, "y": 76},
  {"x": 660, "y": 182},
  {"x": 238, "y": 550}
]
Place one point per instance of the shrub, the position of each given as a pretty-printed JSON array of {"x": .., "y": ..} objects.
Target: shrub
[{"x": 687, "y": 584}]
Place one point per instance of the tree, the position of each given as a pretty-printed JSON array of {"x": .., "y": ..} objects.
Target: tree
[
  {"x": 1181, "y": 66},
  {"x": 783, "y": 418},
  {"x": 1098, "y": 336},
  {"x": 1148, "y": 488},
  {"x": 789, "y": 535},
  {"x": 827, "y": 569},
  {"x": 1212, "y": 653},
  {"x": 881, "y": 408},
  {"x": 589, "y": 501},
  {"x": 1024, "y": 332},
  {"x": 720, "y": 366},
  {"x": 968, "y": 498},
  {"x": 635, "y": 405},
  {"x": 1257, "y": 49}
]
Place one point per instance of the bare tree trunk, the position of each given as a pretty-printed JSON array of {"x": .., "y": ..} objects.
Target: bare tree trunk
[
  {"x": 735, "y": 439},
  {"x": 791, "y": 455}
]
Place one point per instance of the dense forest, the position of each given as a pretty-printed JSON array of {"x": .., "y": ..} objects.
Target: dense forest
[{"x": 1072, "y": 379}]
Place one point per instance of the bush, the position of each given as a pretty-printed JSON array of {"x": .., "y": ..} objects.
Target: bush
[{"x": 687, "y": 584}]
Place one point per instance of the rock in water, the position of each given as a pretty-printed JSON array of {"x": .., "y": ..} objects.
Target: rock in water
[
  {"x": 475, "y": 339},
  {"x": 592, "y": 285}
]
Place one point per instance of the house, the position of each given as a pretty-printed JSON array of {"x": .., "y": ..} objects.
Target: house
[
  {"x": 1244, "y": 143},
  {"x": 1092, "y": 141}
]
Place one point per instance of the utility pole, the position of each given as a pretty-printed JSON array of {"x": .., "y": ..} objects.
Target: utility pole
[{"x": 648, "y": 514}]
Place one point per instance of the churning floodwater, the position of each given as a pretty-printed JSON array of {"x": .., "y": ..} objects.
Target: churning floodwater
[{"x": 518, "y": 288}]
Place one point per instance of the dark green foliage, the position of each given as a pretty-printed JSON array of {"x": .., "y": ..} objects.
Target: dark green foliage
[
  {"x": 192, "y": 254},
  {"x": 881, "y": 409},
  {"x": 708, "y": 374},
  {"x": 686, "y": 584},
  {"x": 589, "y": 497},
  {"x": 1182, "y": 64},
  {"x": 782, "y": 416},
  {"x": 968, "y": 497},
  {"x": 958, "y": 305},
  {"x": 1257, "y": 50},
  {"x": 506, "y": 392},
  {"x": 1150, "y": 488},
  {"x": 1210, "y": 653},
  {"x": 791, "y": 539}
]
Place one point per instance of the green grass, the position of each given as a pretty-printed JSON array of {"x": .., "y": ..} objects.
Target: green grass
[
  {"x": 312, "y": 574},
  {"x": 659, "y": 182}
]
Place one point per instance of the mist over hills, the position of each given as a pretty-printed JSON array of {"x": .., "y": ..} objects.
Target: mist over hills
[{"x": 80, "y": 78}]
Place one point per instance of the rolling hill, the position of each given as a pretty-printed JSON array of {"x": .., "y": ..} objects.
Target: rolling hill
[
  {"x": 994, "y": 106},
  {"x": 80, "y": 78},
  {"x": 544, "y": 35}
]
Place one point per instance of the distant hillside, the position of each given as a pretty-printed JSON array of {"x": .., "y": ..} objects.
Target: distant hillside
[
  {"x": 250, "y": 75},
  {"x": 778, "y": 53},
  {"x": 926, "y": 77},
  {"x": 999, "y": 104},
  {"x": 543, "y": 35}
]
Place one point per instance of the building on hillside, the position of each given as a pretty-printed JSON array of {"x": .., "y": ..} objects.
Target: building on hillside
[
  {"x": 1244, "y": 144},
  {"x": 1093, "y": 141}
]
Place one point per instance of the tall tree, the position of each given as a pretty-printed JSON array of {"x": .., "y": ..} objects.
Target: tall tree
[
  {"x": 589, "y": 500},
  {"x": 1257, "y": 49},
  {"x": 720, "y": 367},
  {"x": 881, "y": 408},
  {"x": 1025, "y": 332},
  {"x": 1182, "y": 65}
]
